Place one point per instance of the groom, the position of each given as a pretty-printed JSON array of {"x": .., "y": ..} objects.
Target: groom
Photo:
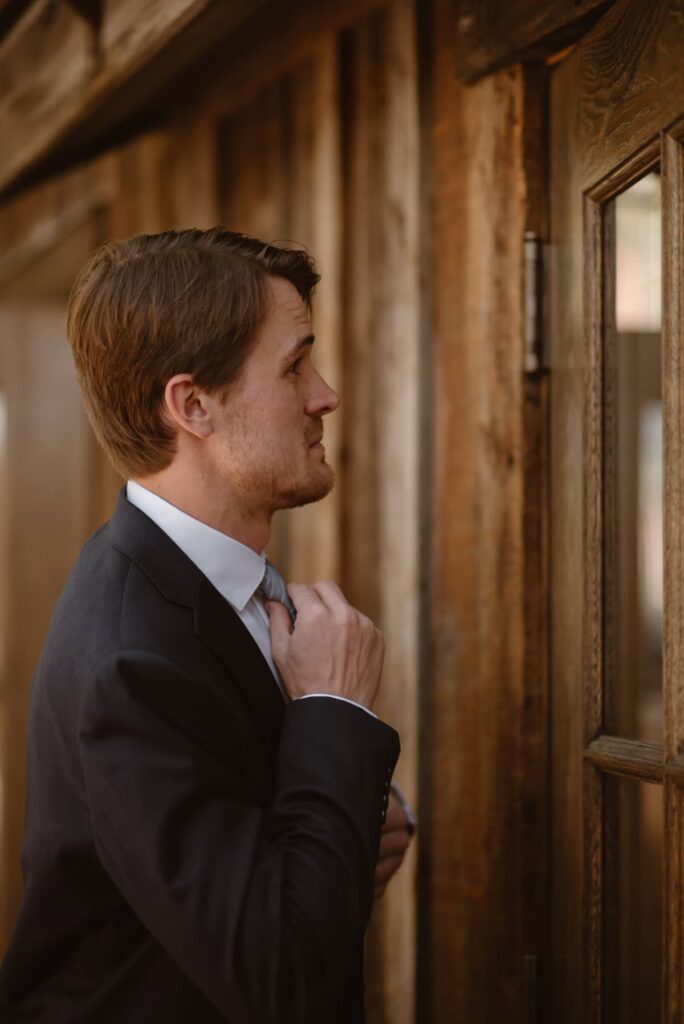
[{"x": 209, "y": 809}]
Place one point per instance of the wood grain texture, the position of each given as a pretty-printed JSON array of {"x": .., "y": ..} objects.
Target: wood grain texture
[
  {"x": 631, "y": 82},
  {"x": 612, "y": 99},
  {"x": 489, "y": 698},
  {"x": 489, "y": 34},
  {"x": 634, "y": 759}
]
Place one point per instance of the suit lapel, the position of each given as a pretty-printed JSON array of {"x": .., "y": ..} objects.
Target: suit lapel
[{"x": 216, "y": 624}]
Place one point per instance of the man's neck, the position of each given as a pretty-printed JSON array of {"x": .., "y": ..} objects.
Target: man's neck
[{"x": 220, "y": 511}]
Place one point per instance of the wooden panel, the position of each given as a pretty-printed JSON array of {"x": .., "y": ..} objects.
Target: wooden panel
[
  {"x": 382, "y": 426},
  {"x": 491, "y": 33},
  {"x": 57, "y": 485},
  {"x": 627, "y": 74},
  {"x": 263, "y": 50},
  {"x": 488, "y": 735}
]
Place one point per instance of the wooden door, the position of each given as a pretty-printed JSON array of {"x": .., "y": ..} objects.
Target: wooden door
[{"x": 617, "y": 520}]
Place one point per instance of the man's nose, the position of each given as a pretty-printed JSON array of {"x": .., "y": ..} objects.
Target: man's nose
[{"x": 324, "y": 399}]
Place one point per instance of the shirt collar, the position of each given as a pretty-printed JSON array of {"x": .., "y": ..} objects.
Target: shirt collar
[{"x": 233, "y": 568}]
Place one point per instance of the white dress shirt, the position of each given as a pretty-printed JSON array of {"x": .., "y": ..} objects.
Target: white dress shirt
[{"x": 233, "y": 568}]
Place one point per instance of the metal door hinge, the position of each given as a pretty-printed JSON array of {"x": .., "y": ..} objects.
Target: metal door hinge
[{"x": 534, "y": 260}]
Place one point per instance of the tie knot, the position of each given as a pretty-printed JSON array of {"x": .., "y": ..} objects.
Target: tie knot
[{"x": 273, "y": 588}]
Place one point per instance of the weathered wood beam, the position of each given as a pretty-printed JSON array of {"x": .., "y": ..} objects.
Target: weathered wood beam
[
  {"x": 71, "y": 80},
  {"x": 489, "y": 34}
]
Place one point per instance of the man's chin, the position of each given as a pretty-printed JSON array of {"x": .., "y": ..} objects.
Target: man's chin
[{"x": 313, "y": 490}]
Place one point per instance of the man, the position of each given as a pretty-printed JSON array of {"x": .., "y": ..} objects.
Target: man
[{"x": 207, "y": 782}]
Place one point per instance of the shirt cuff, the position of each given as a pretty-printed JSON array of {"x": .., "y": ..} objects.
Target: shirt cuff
[{"x": 334, "y": 696}]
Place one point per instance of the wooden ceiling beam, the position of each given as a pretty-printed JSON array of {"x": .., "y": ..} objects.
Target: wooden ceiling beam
[
  {"x": 78, "y": 74},
  {"x": 490, "y": 34}
]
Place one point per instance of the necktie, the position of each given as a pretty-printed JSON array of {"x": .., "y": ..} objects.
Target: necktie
[{"x": 273, "y": 588}]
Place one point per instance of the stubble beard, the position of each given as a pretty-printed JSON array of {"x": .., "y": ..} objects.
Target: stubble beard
[
  {"x": 274, "y": 488},
  {"x": 316, "y": 488}
]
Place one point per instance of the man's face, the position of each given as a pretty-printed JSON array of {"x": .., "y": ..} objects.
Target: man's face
[{"x": 267, "y": 433}]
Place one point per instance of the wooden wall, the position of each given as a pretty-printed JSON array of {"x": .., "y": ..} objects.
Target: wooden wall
[
  {"x": 322, "y": 149},
  {"x": 344, "y": 128},
  {"x": 327, "y": 153},
  {"x": 57, "y": 485}
]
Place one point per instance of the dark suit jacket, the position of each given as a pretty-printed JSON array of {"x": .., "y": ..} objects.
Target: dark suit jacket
[{"x": 196, "y": 850}]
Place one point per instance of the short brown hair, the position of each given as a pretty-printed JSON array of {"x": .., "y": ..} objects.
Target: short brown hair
[{"x": 146, "y": 308}]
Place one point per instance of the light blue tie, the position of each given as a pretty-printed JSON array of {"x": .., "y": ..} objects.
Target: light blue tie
[{"x": 273, "y": 588}]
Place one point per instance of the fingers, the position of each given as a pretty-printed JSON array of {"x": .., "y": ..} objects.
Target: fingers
[
  {"x": 396, "y": 815},
  {"x": 280, "y": 624},
  {"x": 393, "y": 843},
  {"x": 383, "y": 872},
  {"x": 325, "y": 592},
  {"x": 330, "y": 594},
  {"x": 303, "y": 597}
]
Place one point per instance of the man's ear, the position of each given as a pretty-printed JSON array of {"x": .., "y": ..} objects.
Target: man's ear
[{"x": 186, "y": 406}]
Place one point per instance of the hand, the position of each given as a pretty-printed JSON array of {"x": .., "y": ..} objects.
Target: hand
[
  {"x": 332, "y": 649},
  {"x": 394, "y": 842}
]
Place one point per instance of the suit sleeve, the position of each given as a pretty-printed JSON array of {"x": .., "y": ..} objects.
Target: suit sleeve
[{"x": 263, "y": 909}]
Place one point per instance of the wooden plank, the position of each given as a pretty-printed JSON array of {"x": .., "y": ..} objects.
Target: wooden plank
[
  {"x": 489, "y": 34},
  {"x": 635, "y": 759},
  {"x": 567, "y": 588},
  {"x": 381, "y": 401},
  {"x": 279, "y": 179},
  {"x": 42, "y": 456},
  {"x": 489, "y": 702},
  {"x": 68, "y": 85},
  {"x": 254, "y": 178},
  {"x": 315, "y": 217},
  {"x": 673, "y": 639}
]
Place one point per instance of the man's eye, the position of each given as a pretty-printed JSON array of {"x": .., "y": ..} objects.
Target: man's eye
[{"x": 295, "y": 366}]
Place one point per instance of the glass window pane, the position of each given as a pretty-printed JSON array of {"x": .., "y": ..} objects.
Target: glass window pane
[
  {"x": 633, "y": 463},
  {"x": 632, "y": 980}
]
